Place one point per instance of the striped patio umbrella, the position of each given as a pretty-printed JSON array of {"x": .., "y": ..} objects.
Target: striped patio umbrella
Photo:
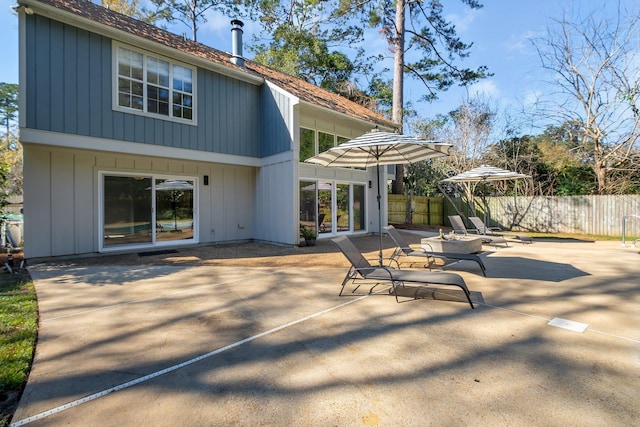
[
  {"x": 482, "y": 174},
  {"x": 486, "y": 173},
  {"x": 378, "y": 148}
]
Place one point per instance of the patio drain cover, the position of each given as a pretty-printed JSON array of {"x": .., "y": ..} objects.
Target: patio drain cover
[{"x": 568, "y": 324}]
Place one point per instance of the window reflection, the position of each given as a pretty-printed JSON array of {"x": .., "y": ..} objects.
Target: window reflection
[
  {"x": 127, "y": 210},
  {"x": 342, "y": 205},
  {"x": 174, "y": 209},
  {"x": 128, "y": 215},
  {"x": 325, "y": 207},
  {"x": 308, "y": 205},
  {"x": 330, "y": 212}
]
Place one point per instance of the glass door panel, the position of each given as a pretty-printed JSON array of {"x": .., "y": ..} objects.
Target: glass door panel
[
  {"x": 342, "y": 207},
  {"x": 308, "y": 205},
  {"x": 359, "y": 223},
  {"x": 127, "y": 210},
  {"x": 325, "y": 207},
  {"x": 174, "y": 209}
]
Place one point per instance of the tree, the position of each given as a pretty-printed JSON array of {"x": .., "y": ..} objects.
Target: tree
[
  {"x": 303, "y": 38},
  {"x": 302, "y": 54},
  {"x": 190, "y": 12},
  {"x": 593, "y": 62},
  {"x": 433, "y": 37},
  {"x": 523, "y": 154},
  {"x": 131, "y": 8},
  {"x": 8, "y": 107},
  {"x": 468, "y": 129},
  {"x": 10, "y": 169},
  {"x": 10, "y": 153}
]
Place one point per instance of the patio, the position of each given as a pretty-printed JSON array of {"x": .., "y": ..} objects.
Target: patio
[{"x": 189, "y": 338}]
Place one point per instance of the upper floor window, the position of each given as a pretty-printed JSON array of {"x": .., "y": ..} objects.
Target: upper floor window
[
  {"x": 307, "y": 143},
  {"x": 309, "y": 147},
  {"x": 154, "y": 85}
]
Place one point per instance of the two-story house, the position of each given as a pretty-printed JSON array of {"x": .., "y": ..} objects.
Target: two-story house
[{"x": 135, "y": 139}]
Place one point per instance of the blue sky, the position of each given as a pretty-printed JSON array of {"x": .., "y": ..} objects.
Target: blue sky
[{"x": 500, "y": 31}]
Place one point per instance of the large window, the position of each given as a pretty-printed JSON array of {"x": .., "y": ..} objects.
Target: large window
[
  {"x": 153, "y": 85},
  {"x": 147, "y": 211},
  {"x": 309, "y": 147}
]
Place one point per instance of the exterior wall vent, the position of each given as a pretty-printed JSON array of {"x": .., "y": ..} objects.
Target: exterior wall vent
[{"x": 236, "y": 43}]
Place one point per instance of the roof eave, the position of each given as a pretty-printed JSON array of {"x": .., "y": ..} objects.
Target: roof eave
[
  {"x": 384, "y": 125},
  {"x": 136, "y": 40}
]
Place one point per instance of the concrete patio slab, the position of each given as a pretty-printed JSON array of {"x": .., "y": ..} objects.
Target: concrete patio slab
[{"x": 209, "y": 345}]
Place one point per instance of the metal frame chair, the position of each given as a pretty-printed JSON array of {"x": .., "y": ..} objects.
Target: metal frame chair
[
  {"x": 362, "y": 270},
  {"x": 497, "y": 231},
  {"x": 404, "y": 249}
]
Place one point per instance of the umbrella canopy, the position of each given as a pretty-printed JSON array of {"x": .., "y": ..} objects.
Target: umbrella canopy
[
  {"x": 320, "y": 186},
  {"x": 486, "y": 173},
  {"x": 174, "y": 184},
  {"x": 377, "y": 148}
]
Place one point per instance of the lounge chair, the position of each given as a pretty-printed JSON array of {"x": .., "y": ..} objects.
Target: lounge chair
[
  {"x": 362, "y": 270},
  {"x": 404, "y": 249},
  {"x": 497, "y": 231},
  {"x": 459, "y": 228}
]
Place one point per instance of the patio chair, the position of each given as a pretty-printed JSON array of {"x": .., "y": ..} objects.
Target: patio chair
[
  {"x": 459, "y": 228},
  {"x": 497, "y": 231},
  {"x": 404, "y": 249},
  {"x": 362, "y": 270}
]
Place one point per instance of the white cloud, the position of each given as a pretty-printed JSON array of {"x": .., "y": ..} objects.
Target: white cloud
[
  {"x": 463, "y": 20},
  {"x": 522, "y": 43},
  {"x": 487, "y": 88}
]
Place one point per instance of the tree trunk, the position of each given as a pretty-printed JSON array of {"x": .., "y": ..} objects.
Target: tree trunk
[
  {"x": 398, "y": 86},
  {"x": 408, "y": 211},
  {"x": 600, "y": 169},
  {"x": 194, "y": 19}
]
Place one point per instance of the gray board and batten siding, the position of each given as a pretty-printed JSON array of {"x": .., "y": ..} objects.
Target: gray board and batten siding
[
  {"x": 69, "y": 89},
  {"x": 276, "y": 121}
]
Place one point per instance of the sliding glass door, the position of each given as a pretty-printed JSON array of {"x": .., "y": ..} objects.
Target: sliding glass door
[
  {"x": 146, "y": 211},
  {"x": 174, "y": 209},
  {"x": 332, "y": 207}
]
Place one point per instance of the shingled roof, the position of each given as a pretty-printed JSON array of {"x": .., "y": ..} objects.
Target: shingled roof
[{"x": 305, "y": 91}]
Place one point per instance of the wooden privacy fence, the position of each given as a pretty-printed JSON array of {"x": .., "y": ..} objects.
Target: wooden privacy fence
[
  {"x": 597, "y": 215},
  {"x": 425, "y": 210}
]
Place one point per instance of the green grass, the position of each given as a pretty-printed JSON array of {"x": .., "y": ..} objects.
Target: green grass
[
  {"x": 18, "y": 332},
  {"x": 586, "y": 237}
]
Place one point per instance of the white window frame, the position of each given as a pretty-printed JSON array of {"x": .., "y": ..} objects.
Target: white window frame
[
  {"x": 153, "y": 243},
  {"x": 116, "y": 46},
  {"x": 334, "y": 206}
]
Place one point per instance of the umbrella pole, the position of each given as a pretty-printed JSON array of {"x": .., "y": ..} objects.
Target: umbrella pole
[{"x": 379, "y": 217}]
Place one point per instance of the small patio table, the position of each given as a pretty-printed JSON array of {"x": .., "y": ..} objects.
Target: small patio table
[{"x": 456, "y": 245}]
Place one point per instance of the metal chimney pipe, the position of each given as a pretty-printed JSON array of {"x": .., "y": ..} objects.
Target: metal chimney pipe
[{"x": 236, "y": 43}]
